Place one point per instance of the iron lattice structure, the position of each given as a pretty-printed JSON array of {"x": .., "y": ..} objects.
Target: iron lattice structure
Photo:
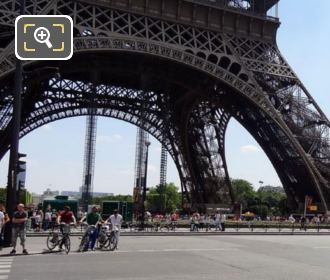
[
  {"x": 205, "y": 62},
  {"x": 162, "y": 177},
  {"x": 140, "y": 167},
  {"x": 89, "y": 160},
  {"x": 90, "y": 141}
]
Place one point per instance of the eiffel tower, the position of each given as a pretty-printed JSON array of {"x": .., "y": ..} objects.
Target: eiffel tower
[{"x": 205, "y": 62}]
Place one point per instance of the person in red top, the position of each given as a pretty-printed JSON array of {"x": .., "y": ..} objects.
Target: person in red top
[{"x": 67, "y": 217}]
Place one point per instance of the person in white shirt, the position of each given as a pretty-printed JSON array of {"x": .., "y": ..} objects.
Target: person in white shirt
[
  {"x": 217, "y": 223},
  {"x": 47, "y": 218},
  {"x": 291, "y": 219},
  {"x": 222, "y": 221},
  {"x": 116, "y": 220},
  {"x": 3, "y": 220}
]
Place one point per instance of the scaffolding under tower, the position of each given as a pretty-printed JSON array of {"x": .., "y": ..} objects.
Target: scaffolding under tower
[
  {"x": 140, "y": 167},
  {"x": 162, "y": 179},
  {"x": 89, "y": 161}
]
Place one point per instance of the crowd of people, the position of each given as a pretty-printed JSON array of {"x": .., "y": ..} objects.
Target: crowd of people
[
  {"x": 206, "y": 221},
  {"x": 31, "y": 218},
  {"x": 198, "y": 221},
  {"x": 35, "y": 219}
]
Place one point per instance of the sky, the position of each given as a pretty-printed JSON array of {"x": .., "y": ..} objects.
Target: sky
[{"x": 55, "y": 151}]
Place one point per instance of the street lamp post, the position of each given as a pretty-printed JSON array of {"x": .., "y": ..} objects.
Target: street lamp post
[
  {"x": 14, "y": 144},
  {"x": 261, "y": 183},
  {"x": 144, "y": 192}
]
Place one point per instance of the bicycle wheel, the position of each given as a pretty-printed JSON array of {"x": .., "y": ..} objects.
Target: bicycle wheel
[
  {"x": 67, "y": 244},
  {"x": 51, "y": 241},
  {"x": 83, "y": 242},
  {"x": 102, "y": 241},
  {"x": 107, "y": 242},
  {"x": 113, "y": 241}
]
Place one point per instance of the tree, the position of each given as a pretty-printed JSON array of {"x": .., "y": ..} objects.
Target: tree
[
  {"x": 119, "y": 197},
  {"x": 3, "y": 195},
  {"x": 271, "y": 197},
  {"x": 172, "y": 198},
  {"x": 268, "y": 200},
  {"x": 243, "y": 193}
]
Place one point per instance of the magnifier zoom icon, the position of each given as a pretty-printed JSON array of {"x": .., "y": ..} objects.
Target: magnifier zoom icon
[{"x": 41, "y": 35}]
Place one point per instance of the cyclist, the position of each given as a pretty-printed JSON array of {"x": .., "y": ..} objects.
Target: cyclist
[
  {"x": 67, "y": 217},
  {"x": 92, "y": 219},
  {"x": 116, "y": 220}
]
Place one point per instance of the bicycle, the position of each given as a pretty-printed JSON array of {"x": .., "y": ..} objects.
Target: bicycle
[
  {"x": 103, "y": 238},
  {"x": 113, "y": 238},
  {"x": 84, "y": 243},
  {"x": 53, "y": 238},
  {"x": 108, "y": 237}
]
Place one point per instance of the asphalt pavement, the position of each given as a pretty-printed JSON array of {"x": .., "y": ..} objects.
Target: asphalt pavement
[{"x": 177, "y": 258}]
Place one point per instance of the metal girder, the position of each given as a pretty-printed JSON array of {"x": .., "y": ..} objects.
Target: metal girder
[{"x": 228, "y": 64}]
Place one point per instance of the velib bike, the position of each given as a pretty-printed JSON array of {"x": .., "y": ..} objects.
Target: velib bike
[
  {"x": 85, "y": 240},
  {"x": 108, "y": 237},
  {"x": 62, "y": 238}
]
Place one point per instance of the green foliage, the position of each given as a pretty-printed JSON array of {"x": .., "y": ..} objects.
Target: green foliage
[
  {"x": 3, "y": 195},
  {"x": 172, "y": 198},
  {"x": 260, "y": 210},
  {"x": 243, "y": 192},
  {"x": 119, "y": 197},
  {"x": 283, "y": 207},
  {"x": 268, "y": 200},
  {"x": 24, "y": 196}
]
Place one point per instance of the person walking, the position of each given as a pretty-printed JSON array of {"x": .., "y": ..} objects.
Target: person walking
[
  {"x": 223, "y": 219},
  {"x": 92, "y": 219},
  {"x": 47, "y": 218},
  {"x": 217, "y": 221},
  {"x": 116, "y": 220},
  {"x": 19, "y": 228},
  {"x": 3, "y": 220},
  {"x": 195, "y": 221}
]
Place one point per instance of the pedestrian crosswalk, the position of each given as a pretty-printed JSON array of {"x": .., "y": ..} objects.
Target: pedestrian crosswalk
[{"x": 5, "y": 266}]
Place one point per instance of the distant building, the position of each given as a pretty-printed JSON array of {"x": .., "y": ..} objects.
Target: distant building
[
  {"x": 47, "y": 194},
  {"x": 71, "y": 193},
  {"x": 101, "y": 194},
  {"x": 77, "y": 194}
]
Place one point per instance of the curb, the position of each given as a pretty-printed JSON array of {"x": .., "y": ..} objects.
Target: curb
[{"x": 198, "y": 234}]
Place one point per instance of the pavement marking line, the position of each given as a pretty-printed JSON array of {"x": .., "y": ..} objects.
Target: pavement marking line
[
  {"x": 322, "y": 247},
  {"x": 5, "y": 266},
  {"x": 177, "y": 250}
]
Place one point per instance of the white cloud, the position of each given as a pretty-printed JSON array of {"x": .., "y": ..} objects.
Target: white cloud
[{"x": 247, "y": 149}]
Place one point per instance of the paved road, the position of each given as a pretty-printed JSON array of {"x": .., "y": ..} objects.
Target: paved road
[{"x": 180, "y": 257}]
